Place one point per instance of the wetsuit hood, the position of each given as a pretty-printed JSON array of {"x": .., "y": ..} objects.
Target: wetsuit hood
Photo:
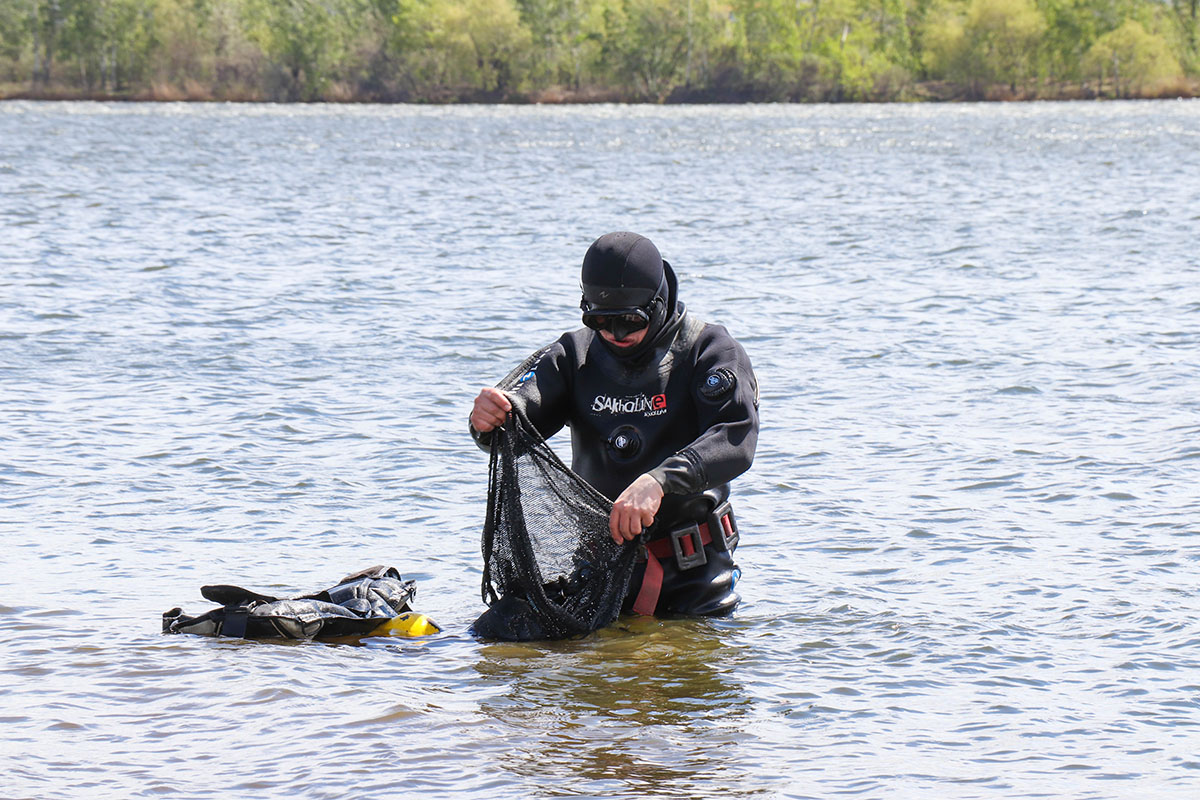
[
  {"x": 623, "y": 271},
  {"x": 662, "y": 328}
]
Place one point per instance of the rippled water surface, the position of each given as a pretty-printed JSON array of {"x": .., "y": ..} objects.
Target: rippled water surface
[{"x": 238, "y": 345}]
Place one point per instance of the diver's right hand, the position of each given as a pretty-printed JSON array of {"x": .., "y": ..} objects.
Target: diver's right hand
[{"x": 491, "y": 409}]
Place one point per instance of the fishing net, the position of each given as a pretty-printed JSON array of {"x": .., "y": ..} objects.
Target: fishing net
[{"x": 550, "y": 568}]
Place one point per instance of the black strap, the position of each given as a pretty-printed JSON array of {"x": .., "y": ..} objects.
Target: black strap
[{"x": 234, "y": 623}]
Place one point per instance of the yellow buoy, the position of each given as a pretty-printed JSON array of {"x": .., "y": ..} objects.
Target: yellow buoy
[{"x": 407, "y": 624}]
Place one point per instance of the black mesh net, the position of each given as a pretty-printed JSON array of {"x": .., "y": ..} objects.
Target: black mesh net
[{"x": 550, "y": 568}]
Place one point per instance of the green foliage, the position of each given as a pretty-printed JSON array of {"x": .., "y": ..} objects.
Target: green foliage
[
  {"x": 945, "y": 43},
  {"x": 1071, "y": 28},
  {"x": 476, "y": 45},
  {"x": 304, "y": 39},
  {"x": 1131, "y": 58},
  {"x": 16, "y": 22},
  {"x": 499, "y": 41},
  {"x": 774, "y": 44},
  {"x": 446, "y": 50},
  {"x": 828, "y": 49},
  {"x": 646, "y": 45},
  {"x": 564, "y": 40},
  {"x": 1003, "y": 37},
  {"x": 1187, "y": 16},
  {"x": 988, "y": 42},
  {"x": 860, "y": 41}
]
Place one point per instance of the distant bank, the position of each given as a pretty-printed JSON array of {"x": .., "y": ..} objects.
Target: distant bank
[
  {"x": 928, "y": 91},
  {"x": 583, "y": 51}
]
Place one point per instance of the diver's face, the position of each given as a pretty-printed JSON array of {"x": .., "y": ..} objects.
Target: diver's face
[{"x": 632, "y": 340}]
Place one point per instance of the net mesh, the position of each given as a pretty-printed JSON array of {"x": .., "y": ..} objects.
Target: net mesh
[{"x": 550, "y": 568}]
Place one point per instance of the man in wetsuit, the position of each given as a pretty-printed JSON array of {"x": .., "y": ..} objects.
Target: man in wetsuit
[{"x": 663, "y": 412}]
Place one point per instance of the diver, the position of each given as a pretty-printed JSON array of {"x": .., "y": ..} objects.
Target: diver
[{"x": 663, "y": 412}]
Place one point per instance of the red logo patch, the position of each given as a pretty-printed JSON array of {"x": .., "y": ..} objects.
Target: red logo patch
[{"x": 658, "y": 402}]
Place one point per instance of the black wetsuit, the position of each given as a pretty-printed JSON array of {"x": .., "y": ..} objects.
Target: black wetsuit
[{"x": 685, "y": 410}]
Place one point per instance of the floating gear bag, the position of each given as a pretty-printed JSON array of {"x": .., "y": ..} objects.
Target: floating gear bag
[
  {"x": 550, "y": 567},
  {"x": 370, "y": 601}
]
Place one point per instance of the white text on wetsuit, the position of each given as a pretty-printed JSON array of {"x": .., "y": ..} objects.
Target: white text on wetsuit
[{"x": 630, "y": 404}]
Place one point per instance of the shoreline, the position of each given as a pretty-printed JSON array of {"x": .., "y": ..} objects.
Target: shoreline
[{"x": 926, "y": 92}]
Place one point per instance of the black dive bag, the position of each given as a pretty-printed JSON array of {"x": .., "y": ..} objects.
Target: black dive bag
[
  {"x": 551, "y": 570},
  {"x": 357, "y": 605}
]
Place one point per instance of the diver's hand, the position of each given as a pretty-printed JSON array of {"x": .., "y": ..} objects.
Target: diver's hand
[
  {"x": 490, "y": 411},
  {"x": 635, "y": 509}
]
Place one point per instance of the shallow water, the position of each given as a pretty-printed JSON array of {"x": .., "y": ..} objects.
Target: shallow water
[{"x": 238, "y": 345}]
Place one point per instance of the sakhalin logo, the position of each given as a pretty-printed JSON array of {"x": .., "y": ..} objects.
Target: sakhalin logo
[{"x": 648, "y": 406}]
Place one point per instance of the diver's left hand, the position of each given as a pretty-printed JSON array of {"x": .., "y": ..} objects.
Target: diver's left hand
[{"x": 635, "y": 509}]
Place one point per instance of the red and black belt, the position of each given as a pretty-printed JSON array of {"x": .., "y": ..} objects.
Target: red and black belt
[{"x": 686, "y": 546}]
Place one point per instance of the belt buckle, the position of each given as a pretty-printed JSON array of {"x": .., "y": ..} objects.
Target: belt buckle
[
  {"x": 697, "y": 558},
  {"x": 724, "y": 540}
]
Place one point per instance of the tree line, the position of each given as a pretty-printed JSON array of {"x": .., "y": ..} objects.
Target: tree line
[{"x": 568, "y": 50}]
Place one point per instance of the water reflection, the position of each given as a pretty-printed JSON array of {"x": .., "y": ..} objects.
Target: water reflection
[{"x": 653, "y": 708}]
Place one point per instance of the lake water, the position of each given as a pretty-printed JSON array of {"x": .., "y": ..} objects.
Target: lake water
[{"x": 238, "y": 344}]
